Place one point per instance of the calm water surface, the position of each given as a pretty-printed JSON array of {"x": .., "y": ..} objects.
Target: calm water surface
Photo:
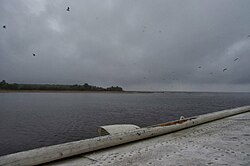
[{"x": 31, "y": 120}]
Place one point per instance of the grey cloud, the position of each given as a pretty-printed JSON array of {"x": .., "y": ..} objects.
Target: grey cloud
[{"x": 142, "y": 44}]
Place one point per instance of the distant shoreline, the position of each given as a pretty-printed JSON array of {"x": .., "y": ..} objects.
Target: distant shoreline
[
  {"x": 71, "y": 91},
  {"x": 124, "y": 92},
  {"x": 8, "y": 87},
  {"x": 56, "y": 91}
]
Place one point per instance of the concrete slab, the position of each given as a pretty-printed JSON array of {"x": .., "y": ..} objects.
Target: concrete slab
[{"x": 222, "y": 142}]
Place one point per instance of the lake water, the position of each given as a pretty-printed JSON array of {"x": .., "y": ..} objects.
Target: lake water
[{"x": 32, "y": 120}]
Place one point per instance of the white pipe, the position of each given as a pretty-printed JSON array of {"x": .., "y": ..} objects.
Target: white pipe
[{"x": 56, "y": 152}]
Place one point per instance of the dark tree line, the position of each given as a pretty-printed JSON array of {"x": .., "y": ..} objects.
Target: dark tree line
[{"x": 55, "y": 87}]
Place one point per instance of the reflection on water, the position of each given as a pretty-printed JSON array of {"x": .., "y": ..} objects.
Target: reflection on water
[{"x": 31, "y": 120}]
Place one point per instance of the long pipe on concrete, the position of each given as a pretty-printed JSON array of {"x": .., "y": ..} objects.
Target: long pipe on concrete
[{"x": 56, "y": 152}]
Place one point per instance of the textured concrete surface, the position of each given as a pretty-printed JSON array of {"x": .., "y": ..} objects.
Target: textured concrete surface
[{"x": 221, "y": 142}]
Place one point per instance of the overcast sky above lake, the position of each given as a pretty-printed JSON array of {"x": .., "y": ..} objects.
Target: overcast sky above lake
[{"x": 136, "y": 44}]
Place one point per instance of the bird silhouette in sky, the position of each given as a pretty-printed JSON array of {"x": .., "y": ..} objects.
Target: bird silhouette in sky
[
  {"x": 248, "y": 36},
  {"x": 199, "y": 67},
  {"x": 4, "y": 26},
  {"x": 68, "y": 9},
  {"x": 236, "y": 59},
  {"x": 224, "y": 69},
  {"x": 34, "y": 54}
]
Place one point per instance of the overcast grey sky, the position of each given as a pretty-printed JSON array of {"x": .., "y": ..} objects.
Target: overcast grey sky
[{"x": 136, "y": 44}]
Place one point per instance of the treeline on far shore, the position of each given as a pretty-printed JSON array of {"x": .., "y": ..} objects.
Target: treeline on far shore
[{"x": 55, "y": 87}]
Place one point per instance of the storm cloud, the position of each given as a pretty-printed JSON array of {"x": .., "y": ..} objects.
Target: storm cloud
[{"x": 136, "y": 44}]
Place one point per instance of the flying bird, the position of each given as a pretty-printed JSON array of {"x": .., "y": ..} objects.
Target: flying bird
[
  {"x": 199, "y": 67},
  {"x": 224, "y": 69},
  {"x": 236, "y": 59},
  {"x": 4, "y": 26},
  {"x": 34, "y": 54},
  {"x": 68, "y": 9},
  {"x": 248, "y": 36}
]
